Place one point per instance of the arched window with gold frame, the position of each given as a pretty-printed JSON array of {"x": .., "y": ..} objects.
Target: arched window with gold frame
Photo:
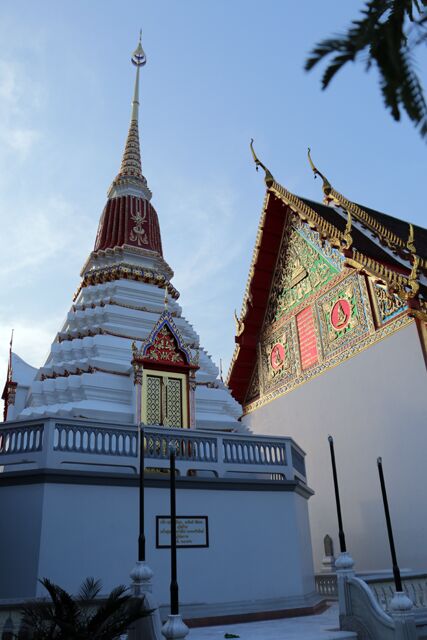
[{"x": 166, "y": 365}]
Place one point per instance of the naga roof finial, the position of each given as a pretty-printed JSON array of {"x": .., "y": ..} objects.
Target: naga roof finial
[
  {"x": 327, "y": 187},
  {"x": 268, "y": 176},
  {"x": 410, "y": 243}
]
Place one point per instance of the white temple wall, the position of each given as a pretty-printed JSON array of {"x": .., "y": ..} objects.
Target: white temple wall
[
  {"x": 374, "y": 404},
  {"x": 259, "y": 542},
  {"x": 21, "y": 509}
]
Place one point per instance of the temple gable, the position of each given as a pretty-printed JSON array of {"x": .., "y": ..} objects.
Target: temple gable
[{"x": 302, "y": 269}]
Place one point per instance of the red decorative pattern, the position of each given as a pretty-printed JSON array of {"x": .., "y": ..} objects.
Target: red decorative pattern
[
  {"x": 165, "y": 349},
  {"x": 128, "y": 220},
  {"x": 340, "y": 314},
  {"x": 307, "y": 338},
  {"x": 277, "y": 358}
]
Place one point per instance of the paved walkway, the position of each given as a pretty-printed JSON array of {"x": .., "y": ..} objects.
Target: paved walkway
[{"x": 319, "y": 627}]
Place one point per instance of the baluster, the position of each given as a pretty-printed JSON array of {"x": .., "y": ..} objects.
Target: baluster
[
  {"x": 77, "y": 440},
  {"x": 107, "y": 443},
  {"x": 63, "y": 438},
  {"x": 421, "y": 595}
]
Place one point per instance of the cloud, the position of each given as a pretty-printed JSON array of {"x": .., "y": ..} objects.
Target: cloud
[
  {"x": 36, "y": 236},
  {"x": 31, "y": 342},
  {"x": 205, "y": 235},
  {"x": 18, "y": 140},
  {"x": 8, "y": 82},
  {"x": 19, "y": 98}
]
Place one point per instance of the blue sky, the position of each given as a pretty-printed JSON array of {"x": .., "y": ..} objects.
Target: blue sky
[{"x": 218, "y": 73}]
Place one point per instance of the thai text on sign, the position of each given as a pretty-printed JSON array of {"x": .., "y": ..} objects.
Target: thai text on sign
[
  {"x": 191, "y": 531},
  {"x": 307, "y": 338}
]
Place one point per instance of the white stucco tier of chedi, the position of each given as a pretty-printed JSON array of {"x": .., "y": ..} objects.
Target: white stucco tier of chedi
[{"x": 125, "y": 286}]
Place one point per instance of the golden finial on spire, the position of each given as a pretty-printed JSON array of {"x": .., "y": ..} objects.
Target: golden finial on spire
[
  {"x": 268, "y": 176},
  {"x": 138, "y": 57},
  {"x": 327, "y": 187}
]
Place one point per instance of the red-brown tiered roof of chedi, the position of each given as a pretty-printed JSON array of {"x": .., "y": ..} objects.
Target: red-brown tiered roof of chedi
[{"x": 129, "y": 220}]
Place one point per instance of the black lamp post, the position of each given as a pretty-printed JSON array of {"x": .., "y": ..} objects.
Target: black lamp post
[
  {"x": 141, "y": 537},
  {"x": 337, "y": 497},
  {"x": 174, "y": 601},
  {"x": 396, "y": 570}
]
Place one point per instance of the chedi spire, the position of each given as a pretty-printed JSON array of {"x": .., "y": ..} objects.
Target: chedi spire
[
  {"x": 129, "y": 180},
  {"x": 128, "y": 218}
]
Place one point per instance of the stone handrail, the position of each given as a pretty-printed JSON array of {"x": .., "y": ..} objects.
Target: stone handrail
[
  {"x": 69, "y": 443},
  {"x": 382, "y": 588},
  {"x": 414, "y": 585},
  {"x": 326, "y": 585}
]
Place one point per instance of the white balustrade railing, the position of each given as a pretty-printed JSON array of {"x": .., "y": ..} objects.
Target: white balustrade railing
[
  {"x": 382, "y": 588},
  {"x": 114, "y": 447},
  {"x": 415, "y": 587},
  {"x": 21, "y": 439}
]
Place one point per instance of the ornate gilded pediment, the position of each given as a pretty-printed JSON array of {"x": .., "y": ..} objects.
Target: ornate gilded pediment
[
  {"x": 303, "y": 267},
  {"x": 165, "y": 345}
]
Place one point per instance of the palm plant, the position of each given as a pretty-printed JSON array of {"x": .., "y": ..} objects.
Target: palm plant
[
  {"x": 80, "y": 618},
  {"x": 388, "y": 31}
]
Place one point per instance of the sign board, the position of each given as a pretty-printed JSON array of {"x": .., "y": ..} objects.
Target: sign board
[{"x": 191, "y": 531}]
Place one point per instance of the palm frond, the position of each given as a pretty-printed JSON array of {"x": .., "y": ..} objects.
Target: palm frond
[
  {"x": 90, "y": 589},
  {"x": 66, "y": 618},
  {"x": 382, "y": 34}
]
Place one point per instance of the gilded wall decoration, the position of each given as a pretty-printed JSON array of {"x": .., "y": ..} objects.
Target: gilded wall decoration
[
  {"x": 254, "y": 390},
  {"x": 165, "y": 348},
  {"x": 389, "y": 305},
  {"x": 342, "y": 315},
  {"x": 279, "y": 361},
  {"x": 329, "y": 317},
  {"x": 335, "y": 358},
  {"x": 301, "y": 271}
]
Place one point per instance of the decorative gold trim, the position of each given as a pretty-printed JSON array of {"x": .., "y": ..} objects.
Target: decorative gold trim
[
  {"x": 126, "y": 272},
  {"x": 325, "y": 229},
  {"x": 410, "y": 241},
  {"x": 397, "y": 324},
  {"x": 385, "y": 235}
]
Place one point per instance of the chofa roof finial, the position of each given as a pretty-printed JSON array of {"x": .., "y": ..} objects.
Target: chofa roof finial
[
  {"x": 327, "y": 187},
  {"x": 268, "y": 176},
  {"x": 410, "y": 243}
]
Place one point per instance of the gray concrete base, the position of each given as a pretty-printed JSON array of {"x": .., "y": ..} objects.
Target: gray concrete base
[{"x": 205, "y": 613}]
